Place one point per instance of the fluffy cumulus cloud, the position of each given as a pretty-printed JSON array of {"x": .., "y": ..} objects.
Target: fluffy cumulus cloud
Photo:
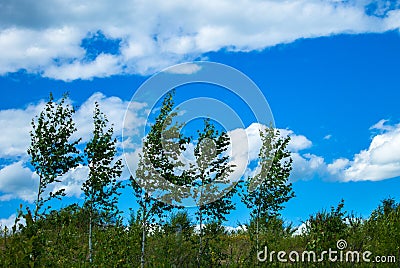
[
  {"x": 379, "y": 161},
  {"x": 307, "y": 166},
  {"x": 46, "y": 37},
  {"x": 16, "y": 124},
  {"x": 301, "y": 229},
  {"x": 297, "y": 142},
  {"x": 17, "y": 181},
  {"x": 115, "y": 110},
  {"x": 246, "y": 144},
  {"x": 104, "y": 65}
]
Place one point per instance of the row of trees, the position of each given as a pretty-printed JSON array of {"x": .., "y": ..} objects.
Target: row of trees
[
  {"x": 53, "y": 154},
  {"x": 208, "y": 177},
  {"x": 160, "y": 232}
]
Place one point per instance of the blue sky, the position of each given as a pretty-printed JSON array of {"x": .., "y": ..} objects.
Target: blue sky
[{"x": 329, "y": 70}]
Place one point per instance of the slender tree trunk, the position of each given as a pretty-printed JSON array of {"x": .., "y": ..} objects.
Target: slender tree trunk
[
  {"x": 90, "y": 237},
  {"x": 200, "y": 238},
  {"x": 257, "y": 234},
  {"x": 142, "y": 259},
  {"x": 257, "y": 230},
  {"x": 37, "y": 199}
]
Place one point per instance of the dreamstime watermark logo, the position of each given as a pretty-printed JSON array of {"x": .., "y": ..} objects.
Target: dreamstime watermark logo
[
  {"x": 340, "y": 254},
  {"x": 232, "y": 101}
]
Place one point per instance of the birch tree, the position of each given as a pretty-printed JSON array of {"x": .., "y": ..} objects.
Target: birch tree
[
  {"x": 158, "y": 162},
  {"x": 210, "y": 175},
  {"x": 266, "y": 193},
  {"x": 52, "y": 152},
  {"x": 102, "y": 185}
]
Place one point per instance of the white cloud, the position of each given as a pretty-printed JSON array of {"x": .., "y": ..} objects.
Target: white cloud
[
  {"x": 381, "y": 125},
  {"x": 115, "y": 109},
  {"x": 245, "y": 146},
  {"x": 297, "y": 142},
  {"x": 131, "y": 160},
  {"x": 104, "y": 65},
  {"x": 45, "y": 36},
  {"x": 380, "y": 161},
  {"x": 338, "y": 166},
  {"x": 18, "y": 181},
  {"x": 72, "y": 181},
  {"x": 327, "y": 137},
  {"x": 231, "y": 229},
  {"x": 35, "y": 50},
  {"x": 392, "y": 20},
  {"x": 15, "y": 126},
  {"x": 307, "y": 166}
]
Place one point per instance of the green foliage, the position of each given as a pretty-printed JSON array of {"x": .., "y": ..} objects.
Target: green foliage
[
  {"x": 213, "y": 252},
  {"x": 54, "y": 240},
  {"x": 172, "y": 245},
  {"x": 269, "y": 189},
  {"x": 52, "y": 154},
  {"x": 156, "y": 168},
  {"x": 101, "y": 187},
  {"x": 383, "y": 229},
  {"x": 59, "y": 238},
  {"x": 179, "y": 224},
  {"x": 211, "y": 173},
  {"x": 324, "y": 228},
  {"x": 63, "y": 234}
]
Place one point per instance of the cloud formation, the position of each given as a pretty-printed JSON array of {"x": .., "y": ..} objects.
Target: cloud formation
[
  {"x": 46, "y": 37},
  {"x": 379, "y": 161},
  {"x": 247, "y": 144},
  {"x": 15, "y": 125},
  {"x": 17, "y": 181}
]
